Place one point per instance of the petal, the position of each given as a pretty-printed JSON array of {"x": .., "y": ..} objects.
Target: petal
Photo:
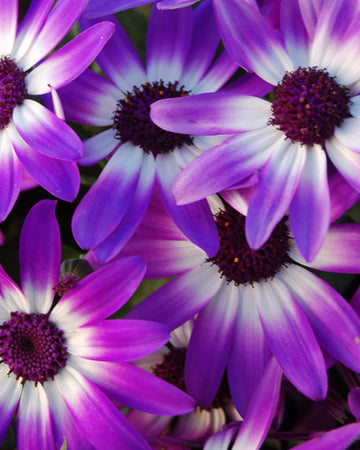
[
  {"x": 180, "y": 299},
  {"x": 291, "y": 339},
  {"x": 69, "y": 61},
  {"x": 104, "y": 205},
  {"x": 348, "y": 133},
  {"x": 337, "y": 439},
  {"x": 98, "y": 147},
  {"x": 335, "y": 323},
  {"x": 10, "y": 391},
  {"x": 113, "y": 283},
  {"x": 38, "y": 279},
  {"x": 34, "y": 428},
  {"x": 8, "y": 25},
  {"x": 205, "y": 233},
  {"x": 354, "y": 402},
  {"x": 272, "y": 195},
  {"x": 98, "y": 8},
  {"x": 221, "y": 440},
  {"x": 310, "y": 207},
  {"x": 117, "y": 340},
  {"x": 209, "y": 345},
  {"x": 167, "y": 45},
  {"x": 342, "y": 196},
  {"x": 12, "y": 297}
]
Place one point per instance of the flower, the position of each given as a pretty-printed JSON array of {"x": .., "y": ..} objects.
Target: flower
[
  {"x": 180, "y": 49},
  {"x": 311, "y": 123},
  {"x": 250, "y": 303},
  {"x": 31, "y": 136},
  {"x": 63, "y": 363}
]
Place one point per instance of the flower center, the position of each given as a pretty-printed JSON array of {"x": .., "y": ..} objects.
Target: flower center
[
  {"x": 308, "y": 104},
  {"x": 12, "y": 89},
  {"x": 32, "y": 347},
  {"x": 240, "y": 264},
  {"x": 132, "y": 118}
]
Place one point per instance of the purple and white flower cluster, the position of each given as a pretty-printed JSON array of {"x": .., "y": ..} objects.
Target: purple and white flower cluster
[{"x": 206, "y": 174}]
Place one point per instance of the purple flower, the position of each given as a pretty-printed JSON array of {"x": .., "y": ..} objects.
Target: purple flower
[
  {"x": 31, "y": 136},
  {"x": 61, "y": 362},
  {"x": 179, "y": 61},
  {"x": 312, "y": 120},
  {"x": 250, "y": 303}
]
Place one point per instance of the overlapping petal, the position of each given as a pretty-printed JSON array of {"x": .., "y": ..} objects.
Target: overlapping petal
[
  {"x": 8, "y": 25},
  {"x": 10, "y": 391}
]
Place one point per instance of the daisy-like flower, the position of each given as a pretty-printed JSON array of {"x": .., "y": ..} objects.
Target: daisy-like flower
[
  {"x": 60, "y": 364},
  {"x": 31, "y": 136},
  {"x": 250, "y": 303},
  {"x": 311, "y": 123},
  {"x": 195, "y": 427},
  {"x": 181, "y": 45}
]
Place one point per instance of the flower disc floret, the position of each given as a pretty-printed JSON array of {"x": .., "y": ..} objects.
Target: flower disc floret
[
  {"x": 240, "y": 264},
  {"x": 32, "y": 347},
  {"x": 132, "y": 120},
  {"x": 308, "y": 104},
  {"x": 12, "y": 89}
]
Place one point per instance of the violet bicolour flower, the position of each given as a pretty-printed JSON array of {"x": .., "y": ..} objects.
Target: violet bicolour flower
[
  {"x": 62, "y": 364},
  {"x": 250, "y": 303},
  {"x": 31, "y": 136},
  {"x": 181, "y": 45},
  {"x": 313, "y": 118}
]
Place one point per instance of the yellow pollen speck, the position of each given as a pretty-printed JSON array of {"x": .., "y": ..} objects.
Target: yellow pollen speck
[
  {"x": 357, "y": 340},
  {"x": 161, "y": 92},
  {"x": 236, "y": 259},
  {"x": 307, "y": 106},
  {"x": 226, "y": 224}
]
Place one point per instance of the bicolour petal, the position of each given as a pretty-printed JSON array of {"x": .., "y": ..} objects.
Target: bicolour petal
[
  {"x": 310, "y": 207},
  {"x": 104, "y": 205},
  {"x": 249, "y": 352},
  {"x": 117, "y": 340},
  {"x": 292, "y": 339},
  {"x": 98, "y": 147},
  {"x": 310, "y": 10},
  {"x": 335, "y": 323},
  {"x": 209, "y": 345},
  {"x": 270, "y": 200},
  {"x": 226, "y": 164},
  {"x": 251, "y": 41},
  {"x": 69, "y": 61},
  {"x": 60, "y": 178},
  {"x": 113, "y": 284},
  {"x": 12, "y": 298},
  {"x": 45, "y": 132},
  {"x": 340, "y": 251},
  {"x": 98, "y": 8},
  {"x": 342, "y": 196},
  {"x": 8, "y": 25},
  {"x": 337, "y": 439},
  {"x": 11, "y": 174},
  {"x": 135, "y": 387},
  {"x": 348, "y": 133},
  {"x": 209, "y": 114},
  {"x": 40, "y": 258},
  {"x": 179, "y": 299},
  {"x": 168, "y": 42},
  {"x": 221, "y": 440},
  {"x": 96, "y": 416},
  {"x": 172, "y": 4},
  {"x": 205, "y": 233},
  {"x": 34, "y": 428},
  {"x": 58, "y": 22},
  {"x": 10, "y": 391}
]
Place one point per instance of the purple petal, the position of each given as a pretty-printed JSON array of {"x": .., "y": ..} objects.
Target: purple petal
[
  {"x": 291, "y": 339},
  {"x": 209, "y": 345},
  {"x": 340, "y": 251},
  {"x": 99, "y": 8},
  {"x": 104, "y": 205},
  {"x": 337, "y": 439},
  {"x": 342, "y": 196},
  {"x": 60, "y": 178},
  {"x": 335, "y": 323},
  {"x": 354, "y": 402},
  {"x": 113, "y": 283},
  {"x": 134, "y": 339},
  {"x": 310, "y": 10},
  {"x": 38, "y": 279},
  {"x": 258, "y": 418},
  {"x": 205, "y": 233},
  {"x": 221, "y": 440},
  {"x": 45, "y": 132},
  {"x": 96, "y": 416},
  {"x": 8, "y": 25},
  {"x": 9, "y": 397},
  {"x": 34, "y": 419},
  {"x": 98, "y": 147},
  {"x": 310, "y": 206},
  {"x": 12, "y": 298},
  {"x": 180, "y": 299},
  {"x": 270, "y": 200},
  {"x": 136, "y": 388},
  {"x": 172, "y": 4},
  {"x": 69, "y": 61},
  {"x": 168, "y": 42},
  {"x": 251, "y": 41}
]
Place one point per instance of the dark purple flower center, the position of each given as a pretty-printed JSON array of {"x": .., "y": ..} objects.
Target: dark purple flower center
[
  {"x": 308, "y": 104},
  {"x": 240, "y": 264},
  {"x": 172, "y": 371},
  {"x": 12, "y": 89},
  {"x": 32, "y": 347},
  {"x": 132, "y": 120}
]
